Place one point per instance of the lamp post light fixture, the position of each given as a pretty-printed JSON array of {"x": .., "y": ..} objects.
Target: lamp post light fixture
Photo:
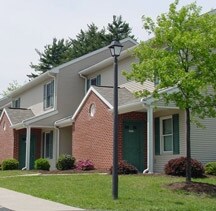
[{"x": 115, "y": 50}]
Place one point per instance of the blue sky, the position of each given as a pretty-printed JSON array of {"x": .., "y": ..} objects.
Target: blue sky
[{"x": 29, "y": 24}]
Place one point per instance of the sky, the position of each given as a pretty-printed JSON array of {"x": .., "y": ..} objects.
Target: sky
[{"x": 26, "y": 25}]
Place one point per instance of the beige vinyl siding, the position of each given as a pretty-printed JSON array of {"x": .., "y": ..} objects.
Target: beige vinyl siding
[
  {"x": 33, "y": 98},
  {"x": 161, "y": 160},
  {"x": 107, "y": 74},
  {"x": 65, "y": 143},
  {"x": 203, "y": 141}
]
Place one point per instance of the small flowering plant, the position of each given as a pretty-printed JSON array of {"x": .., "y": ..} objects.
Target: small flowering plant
[{"x": 85, "y": 165}]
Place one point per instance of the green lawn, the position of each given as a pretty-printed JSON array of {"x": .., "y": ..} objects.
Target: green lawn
[{"x": 93, "y": 191}]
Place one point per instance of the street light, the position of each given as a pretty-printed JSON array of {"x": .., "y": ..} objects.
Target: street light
[{"x": 115, "y": 50}]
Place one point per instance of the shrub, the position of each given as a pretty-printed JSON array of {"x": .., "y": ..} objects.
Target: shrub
[
  {"x": 125, "y": 168},
  {"x": 65, "y": 162},
  {"x": 10, "y": 164},
  {"x": 42, "y": 164},
  {"x": 85, "y": 165},
  {"x": 177, "y": 167},
  {"x": 210, "y": 168}
]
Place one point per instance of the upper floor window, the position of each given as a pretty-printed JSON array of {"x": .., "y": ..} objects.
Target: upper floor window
[
  {"x": 95, "y": 81},
  {"x": 49, "y": 95},
  {"x": 16, "y": 103}
]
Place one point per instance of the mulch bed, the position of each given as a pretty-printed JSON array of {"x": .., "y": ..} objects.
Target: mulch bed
[{"x": 194, "y": 187}]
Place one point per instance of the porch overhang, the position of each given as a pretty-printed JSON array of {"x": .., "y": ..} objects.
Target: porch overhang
[{"x": 65, "y": 122}]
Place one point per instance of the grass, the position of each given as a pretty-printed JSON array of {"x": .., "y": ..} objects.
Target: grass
[
  {"x": 93, "y": 192},
  {"x": 14, "y": 173}
]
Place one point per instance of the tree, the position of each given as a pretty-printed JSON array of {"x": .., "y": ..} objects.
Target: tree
[
  {"x": 53, "y": 55},
  {"x": 61, "y": 51},
  {"x": 118, "y": 29},
  {"x": 88, "y": 41},
  {"x": 182, "y": 55},
  {"x": 11, "y": 87}
]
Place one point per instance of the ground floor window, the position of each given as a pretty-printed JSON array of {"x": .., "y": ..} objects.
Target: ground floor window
[{"x": 48, "y": 144}]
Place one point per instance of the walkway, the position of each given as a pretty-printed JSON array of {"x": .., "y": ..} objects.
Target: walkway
[{"x": 14, "y": 201}]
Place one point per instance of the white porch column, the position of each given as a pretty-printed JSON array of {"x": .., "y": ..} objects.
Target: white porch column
[
  {"x": 28, "y": 139},
  {"x": 150, "y": 145}
]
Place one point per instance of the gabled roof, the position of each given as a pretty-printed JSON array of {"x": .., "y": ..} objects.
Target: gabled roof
[
  {"x": 105, "y": 94},
  {"x": 17, "y": 115},
  {"x": 127, "y": 42}
]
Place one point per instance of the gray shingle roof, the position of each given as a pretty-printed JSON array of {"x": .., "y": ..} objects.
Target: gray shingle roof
[
  {"x": 124, "y": 96},
  {"x": 17, "y": 115}
]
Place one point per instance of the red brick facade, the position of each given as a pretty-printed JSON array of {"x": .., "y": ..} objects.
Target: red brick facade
[
  {"x": 93, "y": 136},
  {"x": 6, "y": 139},
  {"x": 9, "y": 140}
]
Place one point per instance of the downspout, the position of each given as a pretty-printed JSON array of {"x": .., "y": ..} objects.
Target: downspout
[{"x": 85, "y": 78}]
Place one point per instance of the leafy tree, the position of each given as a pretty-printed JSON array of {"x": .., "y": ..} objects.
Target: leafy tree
[
  {"x": 53, "y": 55},
  {"x": 11, "y": 87},
  {"x": 118, "y": 29},
  {"x": 182, "y": 55},
  {"x": 88, "y": 41}
]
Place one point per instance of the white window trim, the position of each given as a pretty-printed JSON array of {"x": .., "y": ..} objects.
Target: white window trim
[
  {"x": 161, "y": 135},
  {"x": 44, "y": 145},
  {"x": 45, "y": 100}
]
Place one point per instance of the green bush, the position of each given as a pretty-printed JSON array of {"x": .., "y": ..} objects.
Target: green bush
[
  {"x": 125, "y": 168},
  {"x": 10, "y": 164},
  {"x": 210, "y": 168},
  {"x": 65, "y": 162},
  {"x": 42, "y": 164},
  {"x": 177, "y": 167}
]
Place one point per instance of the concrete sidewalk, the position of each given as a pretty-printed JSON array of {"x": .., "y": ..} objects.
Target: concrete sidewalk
[{"x": 14, "y": 201}]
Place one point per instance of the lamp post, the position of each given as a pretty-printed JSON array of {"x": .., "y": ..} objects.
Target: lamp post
[{"x": 115, "y": 50}]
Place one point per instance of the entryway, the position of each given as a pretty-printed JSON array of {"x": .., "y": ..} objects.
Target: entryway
[
  {"x": 22, "y": 151},
  {"x": 133, "y": 143}
]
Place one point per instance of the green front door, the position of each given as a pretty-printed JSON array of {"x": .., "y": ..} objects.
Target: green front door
[
  {"x": 22, "y": 151},
  {"x": 133, "y": 143}
]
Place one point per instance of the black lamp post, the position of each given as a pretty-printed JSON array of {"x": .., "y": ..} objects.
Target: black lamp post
[{"x": 115, "y": 50}]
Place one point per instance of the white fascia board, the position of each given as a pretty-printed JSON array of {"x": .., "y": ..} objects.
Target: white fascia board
[
  {"x": 130, "y": 107},
  {"x": 64, "y": 122},
  {"x": 106, "y": 62},
  {"x": 5, "y": 112},
  {"x": 32, "y": 83},
  {"x": 150, "y": 99},
  {"x": 85, "y": 98}
]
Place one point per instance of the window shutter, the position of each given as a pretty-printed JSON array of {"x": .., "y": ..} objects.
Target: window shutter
[
  {"x": 176, "y": 134},
  {"x": 44, "y": 97},
  {"x": 98, "y": 80},
  {"x": 88, "y": 84},
  {"x": 157, "y": 136},
  {"x": 52, "y": 93}
]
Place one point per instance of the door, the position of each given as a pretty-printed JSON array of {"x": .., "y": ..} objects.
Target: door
[
  {"x": 22, "y": 151},
  {"x": 133, "y": 143}
]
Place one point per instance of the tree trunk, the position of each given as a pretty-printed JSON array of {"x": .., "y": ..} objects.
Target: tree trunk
[{"x": 188, "y": 149}]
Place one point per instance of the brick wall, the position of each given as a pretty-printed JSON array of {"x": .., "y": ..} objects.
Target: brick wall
[
  {"x": 6, "y": 139},
  {"x": 92, "y": 137}
]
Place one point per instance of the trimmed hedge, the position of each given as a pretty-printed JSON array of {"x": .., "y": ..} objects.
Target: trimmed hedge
[
  {"x": 10, "y": 164},
  {"x": 210, "y": 168},
  {"x": 42, "y": 164},
  {"x": 177, "y": 167}
]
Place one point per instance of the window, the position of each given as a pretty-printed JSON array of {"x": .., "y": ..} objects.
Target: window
[
  {"x": 48, "y": 145},
  {"x": 16, "y": 103},
  {"x": 49, "y": 95},
  {"x": 167, "y": 134},
  {"x": 92, "y": 110},
  {"x": 95, "y": 81}
]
